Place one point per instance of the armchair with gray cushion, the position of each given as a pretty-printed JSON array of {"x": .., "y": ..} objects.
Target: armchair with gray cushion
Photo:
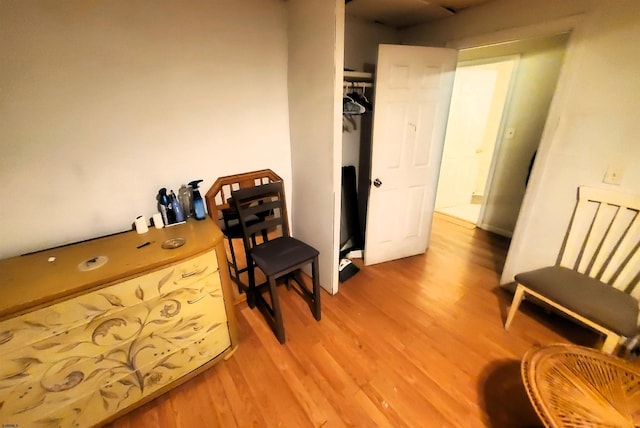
[{"x": 597, "y": 274}]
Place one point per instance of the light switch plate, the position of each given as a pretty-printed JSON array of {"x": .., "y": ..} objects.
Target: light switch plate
[{"x": 613, "y": 175}]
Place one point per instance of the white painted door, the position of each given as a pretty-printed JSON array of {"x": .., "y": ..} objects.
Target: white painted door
[
  {"x": 468, "y": 116},
  {"x": 413, "y": 91}
]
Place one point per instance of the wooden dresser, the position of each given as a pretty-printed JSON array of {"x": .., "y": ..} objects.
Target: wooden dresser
[{"x": 82, "y": 344}]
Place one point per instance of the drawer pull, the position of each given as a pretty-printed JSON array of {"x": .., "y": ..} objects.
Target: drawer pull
[{"x": 195, "y": 272}]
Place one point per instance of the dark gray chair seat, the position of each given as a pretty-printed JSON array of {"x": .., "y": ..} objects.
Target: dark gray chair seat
[
  {"x": 588, "y": 297},
  {"x": 278, "y": 256}
]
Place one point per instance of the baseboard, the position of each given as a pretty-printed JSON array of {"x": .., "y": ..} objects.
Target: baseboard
[{"x": 496, "y": 230}]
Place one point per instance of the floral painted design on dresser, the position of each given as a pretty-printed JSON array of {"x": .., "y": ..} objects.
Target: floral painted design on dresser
[{"x": 77, "y": 362}]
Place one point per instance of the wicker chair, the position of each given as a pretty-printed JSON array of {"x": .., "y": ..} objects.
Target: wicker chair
[
  {"x": 221, "y": 211},
  {"x": 573, "y": 386}
]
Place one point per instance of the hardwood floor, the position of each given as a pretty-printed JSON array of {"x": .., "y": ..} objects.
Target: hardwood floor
[{"x": 413, "y": 342}]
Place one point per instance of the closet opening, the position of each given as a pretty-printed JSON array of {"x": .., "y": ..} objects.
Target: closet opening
[{"x": 356, "y": 130}]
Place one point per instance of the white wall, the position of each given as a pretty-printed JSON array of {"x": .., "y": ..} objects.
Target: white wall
[
  {"x": 103, "y": 103},
  {"x": 361, "y": 40},
  {"x": 593, "y": 118},
  {"x": 316, "y": 44},
  {"x": 596, "y": 125}
]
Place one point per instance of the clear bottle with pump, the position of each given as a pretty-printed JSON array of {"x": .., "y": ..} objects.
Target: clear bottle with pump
[
  {"x": 185, "y": 196},
  {"x": 198, "y": 204}
]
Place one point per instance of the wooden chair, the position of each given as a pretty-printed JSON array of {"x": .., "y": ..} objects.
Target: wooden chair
[
  {"x": 595, "y": 279},
  {"x": 279, "y": 254},
  {"x": 223, "y": 213}
]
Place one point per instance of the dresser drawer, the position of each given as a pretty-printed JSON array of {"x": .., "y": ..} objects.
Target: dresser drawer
[
  {"x": 57, "y": 320},
  {"x": 84, "y": 359}
]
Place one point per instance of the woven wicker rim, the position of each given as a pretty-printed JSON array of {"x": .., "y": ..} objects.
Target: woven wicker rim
[{"x": 575, "y": 386}]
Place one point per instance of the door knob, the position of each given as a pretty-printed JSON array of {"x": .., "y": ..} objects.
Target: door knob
[{"x": 377, "y": 182}]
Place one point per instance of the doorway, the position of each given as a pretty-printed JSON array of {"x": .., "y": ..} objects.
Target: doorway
[
  {"x": 534, "y": 70},
  {"x": 480, "y": 95},
  {"x": 498, "y": 112}
]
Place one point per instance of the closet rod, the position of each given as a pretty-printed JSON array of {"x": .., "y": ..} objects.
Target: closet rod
[{"x": 357, "y": 84}]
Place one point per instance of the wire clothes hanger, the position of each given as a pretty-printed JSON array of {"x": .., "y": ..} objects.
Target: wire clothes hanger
[
  {"x": 360, "y": 98},
  {"x": 351, "y": 106},
  {"x": 352, "y": 103}
]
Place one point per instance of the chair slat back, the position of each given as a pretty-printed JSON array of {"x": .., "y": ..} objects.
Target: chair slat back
[
  {"x": 217, "y": 197},
  {"x": 603, "y": 238},
  {"x": 269, "y": 209},
  {"x": 267, "y": 202}
]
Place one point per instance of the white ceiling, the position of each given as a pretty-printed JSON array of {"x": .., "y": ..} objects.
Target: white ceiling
[{"x": 405, "y": 13}]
